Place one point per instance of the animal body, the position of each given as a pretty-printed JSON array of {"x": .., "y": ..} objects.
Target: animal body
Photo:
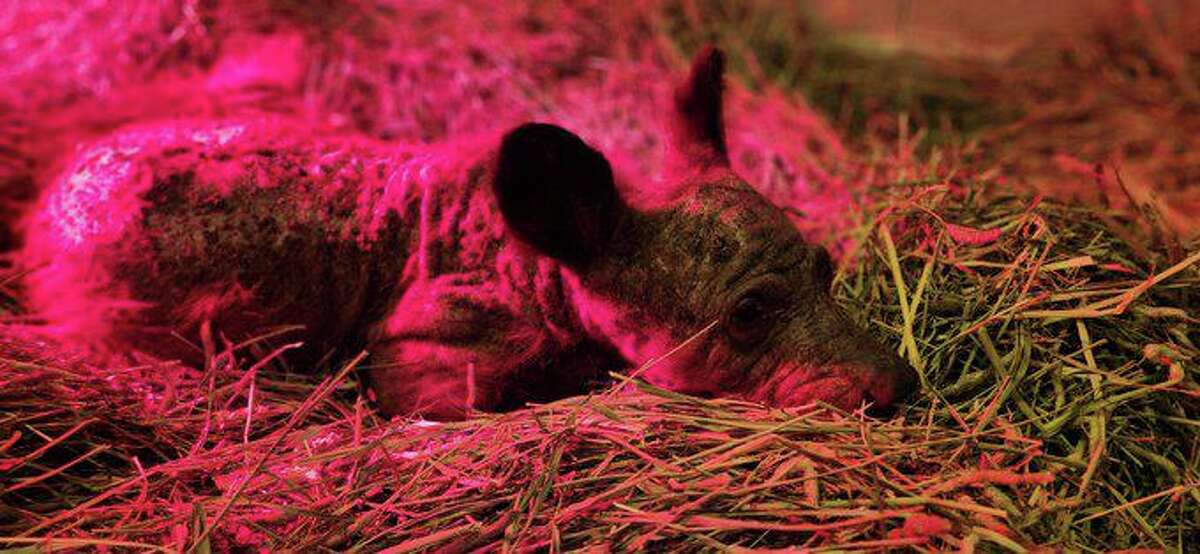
[{"x": 478, "y": 274}]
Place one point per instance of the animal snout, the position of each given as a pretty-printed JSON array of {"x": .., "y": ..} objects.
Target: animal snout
[{"x": 891, "y": 381}]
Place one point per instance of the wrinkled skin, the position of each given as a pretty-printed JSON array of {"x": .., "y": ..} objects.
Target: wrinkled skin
[
  {"x": 726, "y": 256},
  {"x": 477, "y": 275}
]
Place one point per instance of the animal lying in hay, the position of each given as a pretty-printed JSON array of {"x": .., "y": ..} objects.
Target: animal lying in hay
[{"x": 478, "y": 274}]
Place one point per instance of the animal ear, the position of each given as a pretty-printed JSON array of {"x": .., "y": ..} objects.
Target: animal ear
[
  {"x": 556, "y": 193},
  {"x": 698, "y": 130}
]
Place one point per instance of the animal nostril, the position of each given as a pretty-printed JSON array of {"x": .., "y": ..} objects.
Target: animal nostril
[
  {"x": 891, "y": 386},
  {"x": 877, "y": 409}
]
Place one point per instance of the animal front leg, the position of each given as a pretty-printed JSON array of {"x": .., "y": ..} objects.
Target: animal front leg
[{"x": 435, "y": 381}]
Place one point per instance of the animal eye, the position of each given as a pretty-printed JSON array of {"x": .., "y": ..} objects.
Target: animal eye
[
  {"x": 749, "y": 310},
  {"x": 750, "y": 319}
]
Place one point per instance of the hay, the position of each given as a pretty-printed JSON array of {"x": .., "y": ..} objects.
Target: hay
[
  {"x": 1057, "y": 346},
  {"x": 1059, "y": 408}
]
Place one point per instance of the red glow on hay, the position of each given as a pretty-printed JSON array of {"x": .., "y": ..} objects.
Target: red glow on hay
[
  {"x": 399, "y": 112},
  {"x": 448, "y": 84},
  {"x": 423, "y": 84}
]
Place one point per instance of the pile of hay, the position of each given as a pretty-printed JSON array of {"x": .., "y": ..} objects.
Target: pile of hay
[
  {"x": 1057, "y": 344},
  {"x": 1059, "y": 408}
]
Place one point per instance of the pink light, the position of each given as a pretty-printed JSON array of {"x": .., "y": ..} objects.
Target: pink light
[{"x": 114, "y": 120}]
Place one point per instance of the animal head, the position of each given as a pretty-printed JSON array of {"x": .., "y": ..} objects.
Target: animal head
[{"x": 717, "y": 277}]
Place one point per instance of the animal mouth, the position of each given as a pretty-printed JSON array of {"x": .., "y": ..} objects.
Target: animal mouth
[{"x": 842, "y": 387}]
